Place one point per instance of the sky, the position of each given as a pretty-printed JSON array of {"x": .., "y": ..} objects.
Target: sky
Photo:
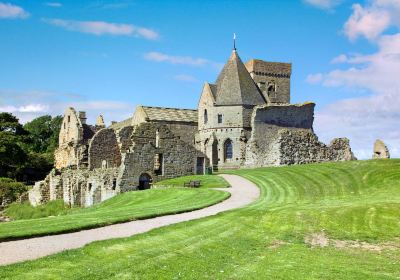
[{"x": 107, "y": 57}]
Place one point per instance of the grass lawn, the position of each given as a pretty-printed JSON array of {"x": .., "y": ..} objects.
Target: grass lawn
[
  {"x": 207, "y": 181},
  {"x": 342, "y": 201},
  {"x": 121, "y": 208}
]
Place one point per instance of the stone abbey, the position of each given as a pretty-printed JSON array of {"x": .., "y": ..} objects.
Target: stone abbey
[{"x": 244, "y": 119}]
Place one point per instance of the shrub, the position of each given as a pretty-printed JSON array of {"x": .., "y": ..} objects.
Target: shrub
[
  {"x": 10, "y": 190},
  {"x": 19, "y": 211}
]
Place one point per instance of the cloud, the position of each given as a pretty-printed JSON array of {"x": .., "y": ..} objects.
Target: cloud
[
  {"x": 372, "y": 20},
  {"x": 367, "y": 22},
  {"x": 104, "y": 28},
  {"x": 53, "y": 4},
  {"x": 376, "y": 115},
  {"x": 9, "y": 11},
  {"x": 185, "y": 78},
  {"x": 28, "y": 105},
  {"x": 184, "y": 60},
  {"x": 323, "y": 4}
]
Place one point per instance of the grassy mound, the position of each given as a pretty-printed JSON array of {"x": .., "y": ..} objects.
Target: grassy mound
[
  {"x": 318, "y": 221},
  {"x": 121, "y": 208},
  {"x": 207, "y": 181}
]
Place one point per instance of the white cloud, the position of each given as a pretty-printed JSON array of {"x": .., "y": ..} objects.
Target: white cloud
[
  {"x": 185, "y": 78},
  {"x": 184, "y": 60},
  {"x": 28, "y": 105},
  {"x": 314, "y": 78},
  {"x": 104, "y": 28},
  {"x": 377, "y": 115},
  {"x": 323, "y": 4},
  {"x": 10, "y": 11},
  {"x": 367, "y": 22},
  {"x": 53, "y": 4}
]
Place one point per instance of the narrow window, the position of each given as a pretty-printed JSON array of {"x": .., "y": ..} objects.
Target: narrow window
[
  {"x": 205, "y": 116},
  {"x": 219, "y": 118},
  {"x": 90, "y": 186},
  {"x": 157, "y": 138},
  {"x": 114, "y": 184},
  {"x": 158, "y": 164},
  {"x": 228, "y": 149},
  {"x": 69, "y": 118}
]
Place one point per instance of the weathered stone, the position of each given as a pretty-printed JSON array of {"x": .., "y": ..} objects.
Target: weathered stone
[
  {"x": 380, "y": 150},
  {"x": 244, "y": 120}
]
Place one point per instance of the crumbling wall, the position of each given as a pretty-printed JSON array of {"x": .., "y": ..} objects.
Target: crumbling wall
[
  {"x": 302, "y": 146},
  {"x": 104, "y": 150},
  {"x": 380, "y": 150},
  {"x": 172, "y": 157},
  {"x": 283, "y": 135}
]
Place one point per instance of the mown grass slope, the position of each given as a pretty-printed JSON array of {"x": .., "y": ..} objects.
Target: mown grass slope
[
  {"x": 342, "y": 201},
  {"x": 121, "y": 208}
]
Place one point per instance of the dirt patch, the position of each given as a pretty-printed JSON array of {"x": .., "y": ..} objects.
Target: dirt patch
[
  {"x": 322, "y": 240},
  {"x": 276, "y": 244}
]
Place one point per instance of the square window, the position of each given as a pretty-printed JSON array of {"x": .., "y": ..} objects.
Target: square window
[{"x": 219, "y": 118}]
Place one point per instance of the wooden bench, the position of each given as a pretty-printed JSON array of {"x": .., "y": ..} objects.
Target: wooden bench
[{"x": 192, "y": 184}]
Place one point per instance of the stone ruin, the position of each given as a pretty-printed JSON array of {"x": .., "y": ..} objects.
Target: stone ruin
[
  {"x": 380, "y": 150},
  {"x": 244, "y": 119}
]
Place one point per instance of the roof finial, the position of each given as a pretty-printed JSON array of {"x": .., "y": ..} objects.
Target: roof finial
[{"x": 234, "y": 41}]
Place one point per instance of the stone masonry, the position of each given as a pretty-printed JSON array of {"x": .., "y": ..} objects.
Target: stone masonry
[{"x": 244, "y": 119}]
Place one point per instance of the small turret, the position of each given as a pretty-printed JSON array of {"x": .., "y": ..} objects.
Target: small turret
[{"x": 100, "y": 122}]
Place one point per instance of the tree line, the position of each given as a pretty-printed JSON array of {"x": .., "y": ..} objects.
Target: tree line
[{"x": 27, "y": 151}]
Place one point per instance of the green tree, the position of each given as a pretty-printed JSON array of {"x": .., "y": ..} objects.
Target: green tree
[
  {"x": 43, "y": 134},
  {"x": 12, "y": 136}
]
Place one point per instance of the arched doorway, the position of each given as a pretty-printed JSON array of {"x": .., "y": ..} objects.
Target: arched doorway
[{"x": 144, "y": 181}]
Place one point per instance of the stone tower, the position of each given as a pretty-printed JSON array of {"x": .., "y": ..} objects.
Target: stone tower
[{"x": 225, "y": 110}]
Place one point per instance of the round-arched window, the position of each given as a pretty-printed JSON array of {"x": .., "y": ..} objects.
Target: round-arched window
[{"x": 228, "y": 149}]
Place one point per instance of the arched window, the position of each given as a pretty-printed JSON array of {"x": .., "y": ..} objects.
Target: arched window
[
  {"x": 205, "y": 116},
  {"x": 228, "y": 149}
]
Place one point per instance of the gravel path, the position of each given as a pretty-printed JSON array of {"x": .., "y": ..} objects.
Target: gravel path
[{"x": 242, "y": 192}]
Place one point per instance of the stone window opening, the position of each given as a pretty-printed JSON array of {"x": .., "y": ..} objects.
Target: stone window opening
[
  {"x": 69, "y": 118},
  {"x": 158, "y": 164},
  {"x": 205, "y": 116},
  {"x": 228, "y": 150},
  {"x": 157, "y": 138},
  {"x": 114, "y": 184},
  {"x": 89, "y": 187},
  {"x": 219, "y": 118}
]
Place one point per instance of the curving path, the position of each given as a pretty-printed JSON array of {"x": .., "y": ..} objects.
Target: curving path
[{"x": 242, "y": 192}]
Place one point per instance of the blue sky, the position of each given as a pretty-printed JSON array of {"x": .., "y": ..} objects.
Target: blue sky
[{"x": 109, "y": 56}]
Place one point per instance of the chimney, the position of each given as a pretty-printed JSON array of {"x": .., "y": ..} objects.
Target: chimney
[{"x": 82, "y": 117}]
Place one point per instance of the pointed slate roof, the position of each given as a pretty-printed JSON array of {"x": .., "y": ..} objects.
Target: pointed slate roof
[{"x": 235, "y": 85}]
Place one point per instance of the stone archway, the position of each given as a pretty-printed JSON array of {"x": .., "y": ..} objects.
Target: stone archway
[{"x": 144, "y": 181}]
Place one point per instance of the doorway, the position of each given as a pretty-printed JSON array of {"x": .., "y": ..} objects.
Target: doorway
[
  {"x": 200, "y": 166},
  {"x": 144, "y": 181}
]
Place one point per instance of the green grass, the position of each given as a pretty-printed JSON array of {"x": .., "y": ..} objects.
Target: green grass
[
  {"x": 207, "y": 181},
  {"x": 349, "y": 201},
  {"x": 121, "y": 208},
  {"x": 21, "y": 211}
]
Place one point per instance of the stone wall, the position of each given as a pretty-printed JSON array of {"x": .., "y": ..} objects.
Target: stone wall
[
  {"x": 104, "y": 150},
  {"x": 290, "y": 115},
  {"x": 302, "y": 146},
  {"x": 172, "y": 157}
]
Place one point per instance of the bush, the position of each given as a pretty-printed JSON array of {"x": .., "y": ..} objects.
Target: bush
[
  {"x": 10, "y": 190},
  {"x": 19, "y": 211}
]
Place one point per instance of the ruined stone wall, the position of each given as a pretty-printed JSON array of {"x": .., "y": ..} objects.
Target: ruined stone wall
[
  {"x": 283, "y": 134},
  {"x": 184, "y": 131},
  {"x": 178, "y": 158},
  {"x": 302, "y": 146},
  {"x": 124, "y": 138},
  {"x": 104, "y": 150},
  {"x": 76, "y": 187}
]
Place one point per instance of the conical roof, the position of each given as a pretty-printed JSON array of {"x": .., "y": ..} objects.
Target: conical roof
[{"x": 235, "y": 85}]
